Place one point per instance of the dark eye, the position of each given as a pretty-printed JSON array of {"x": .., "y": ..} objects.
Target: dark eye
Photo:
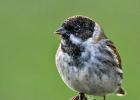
[{"x": 77, "y": 29}]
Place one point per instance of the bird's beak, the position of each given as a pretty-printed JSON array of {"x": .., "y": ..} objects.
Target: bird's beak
[{"x": 60, "y": 31}]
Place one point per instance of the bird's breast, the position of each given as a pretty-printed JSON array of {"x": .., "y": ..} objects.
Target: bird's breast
[{"x": 86, "y": 74}]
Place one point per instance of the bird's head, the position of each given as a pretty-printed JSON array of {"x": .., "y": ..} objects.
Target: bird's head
[{"x": 78, "y": 29}]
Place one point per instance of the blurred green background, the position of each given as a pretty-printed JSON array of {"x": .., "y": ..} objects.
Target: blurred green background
[{"x": 28, "y": 45}]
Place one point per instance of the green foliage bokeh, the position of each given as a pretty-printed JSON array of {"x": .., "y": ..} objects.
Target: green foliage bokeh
[{"x": 28, "y": 45}]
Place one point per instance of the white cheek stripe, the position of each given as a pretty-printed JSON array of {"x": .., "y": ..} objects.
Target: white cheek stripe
[
  {"x": 75, "y": 40},
  {"x": 97, "y": 30}
]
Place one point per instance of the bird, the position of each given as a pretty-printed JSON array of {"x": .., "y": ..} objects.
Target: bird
[{"x": 87, "y": 60}]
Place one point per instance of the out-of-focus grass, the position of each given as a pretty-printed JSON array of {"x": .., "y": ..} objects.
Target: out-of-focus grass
[{"x": 28, "y": 45}]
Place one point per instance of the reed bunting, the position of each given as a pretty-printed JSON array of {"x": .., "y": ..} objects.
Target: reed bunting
[{"x": 87, "y": 61}]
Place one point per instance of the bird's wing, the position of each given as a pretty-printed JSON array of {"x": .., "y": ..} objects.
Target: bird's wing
[
  {"x": 110, "y": 46},
  {"x": 111, "y": 50}
]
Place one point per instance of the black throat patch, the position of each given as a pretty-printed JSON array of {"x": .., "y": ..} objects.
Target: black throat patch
[{"x": 71, "y": 49}]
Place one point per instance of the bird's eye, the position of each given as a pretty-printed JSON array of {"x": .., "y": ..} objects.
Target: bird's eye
[{"x": 77, "y": 29}]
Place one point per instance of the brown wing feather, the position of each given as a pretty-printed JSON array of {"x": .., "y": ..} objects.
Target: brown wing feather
[{"x": 113, "y": 49}]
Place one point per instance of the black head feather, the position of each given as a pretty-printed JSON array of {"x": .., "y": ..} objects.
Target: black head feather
[{"x": 79, "y": 26}]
